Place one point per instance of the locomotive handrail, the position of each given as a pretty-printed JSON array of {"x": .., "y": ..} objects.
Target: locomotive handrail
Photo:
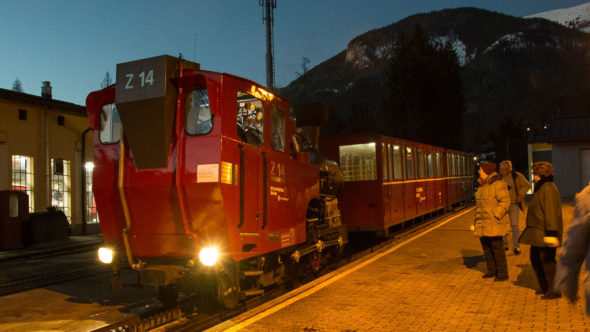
[{"x": 125, "y": 208}]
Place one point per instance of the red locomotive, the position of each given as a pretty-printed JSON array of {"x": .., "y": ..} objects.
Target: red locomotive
[
  {"x": 203, "y": 183},
  {"x": 197, "y": 180}
]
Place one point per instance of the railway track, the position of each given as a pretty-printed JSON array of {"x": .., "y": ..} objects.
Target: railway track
[{"x": 186, "y": 316}]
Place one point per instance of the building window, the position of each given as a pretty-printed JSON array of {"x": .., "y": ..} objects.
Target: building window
[
  {"x": 198, "y": 119},
  {"x": 22, "y": 114},
  {"x": 61, "y": 121},
  {"x": 60, "y": 186},
  {"x": 91, "y": 214},
  {"x": 250, "y": 121},
  {"x": 110, "y": 125},
  {"x": 22, "y": 176},
  {"x": 358, "y": 162}
]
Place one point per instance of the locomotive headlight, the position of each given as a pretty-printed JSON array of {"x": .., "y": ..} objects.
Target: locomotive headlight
[
  {"x": 209, "y": 256},
  {"x": 106, "y": 255}
]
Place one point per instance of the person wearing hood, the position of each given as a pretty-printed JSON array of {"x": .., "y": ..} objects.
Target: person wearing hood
[
  {"x": 544, "y": 227},
  {"x": 492, "y": 201}
]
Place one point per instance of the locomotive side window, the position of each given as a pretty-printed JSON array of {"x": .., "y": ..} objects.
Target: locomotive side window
[
  {"x": 110, "y": 124},
  {"x": 397, "y": 163},
  {"x": 197, "y": 119},
  {"x": 277, "y": 128},
  {"x": 358, "y": 162},
  {"x": 409, "y": 163},
  {"x": 250, "y": 119}
]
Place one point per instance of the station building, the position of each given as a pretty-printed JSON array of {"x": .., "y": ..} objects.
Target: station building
[
  {"x": 46, "y": 150},
  {"x": 566, "y": 144}
]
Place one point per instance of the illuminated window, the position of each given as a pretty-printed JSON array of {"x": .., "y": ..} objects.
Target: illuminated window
[
  {"x": 250, "y": 120},
  {"x": 91, "y": 215},
  {"x": 358, "y": 162},
  {"x": 384, "y": 164},
  {"x": 60, "y": 186},
  {"x": 397, "y": 163},
  {"x": 22, "y": 176},
  {"x": 197, "y": 120},
  {"x": 277, "y": 128},
  {"x": 437, "y": 162},
  {"x": 430, "y": 164},
  {"x": 409, "y": 163},
  {"x": 421, "y": 164},
  {"x": 110, "y": 124}
]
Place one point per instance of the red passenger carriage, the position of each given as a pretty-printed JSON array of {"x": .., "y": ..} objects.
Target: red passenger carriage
[{"x": 389, "y": 181}]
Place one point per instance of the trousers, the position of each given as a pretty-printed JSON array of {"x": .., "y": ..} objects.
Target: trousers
[
  {"x": 543, "y": 262},
  {"x": 493, "y": 250},
  {"x": 513, "y": 212}
]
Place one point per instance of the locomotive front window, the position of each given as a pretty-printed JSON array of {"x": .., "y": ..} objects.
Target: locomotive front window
[
  {"x": 250, "y": 121},
  {"x": 358, "y": 162},
  {"x": 198, "y": 119},
  {"x": 277, "y": 128},
  {"x": 110, "y": 124}
]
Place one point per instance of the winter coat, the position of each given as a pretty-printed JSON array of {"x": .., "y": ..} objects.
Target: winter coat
[
  {"x": 575, "y": 249},
  {"x": 543, "y": 217},
  {"x": 492, "y": 201}
]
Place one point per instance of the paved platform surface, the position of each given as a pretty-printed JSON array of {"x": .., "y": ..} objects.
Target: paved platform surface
[{"x": 431, "y": 282}]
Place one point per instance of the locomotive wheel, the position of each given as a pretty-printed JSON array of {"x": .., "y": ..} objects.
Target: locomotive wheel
[
  {"x": 228, "y": 286},
  {"x": 315, "y": 261},
  {"x": 167, "y": 295}
]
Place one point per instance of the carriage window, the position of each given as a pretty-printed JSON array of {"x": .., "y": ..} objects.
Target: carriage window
[
  {"x": 390, "y": 159},
  {"x": 430, "y": 165},
  {"x": 110, "y": 124},
  {"x": 250, "y": 119},
  {"x": 409, "y": 163},
  {"x": 421, "y": 169},
  {"x": 277, "y": 128},
  {"x": 358, "y": 162},
  {"x": 197, "y": 119},
  {"x": 437, "y": 163},
  {"x": 384, "y": 165},
  {"x": 397, "y": 163}
]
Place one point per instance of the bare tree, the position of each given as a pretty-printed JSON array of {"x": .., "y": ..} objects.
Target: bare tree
[
  {"x": 304, "y": 67},
  {"x": 17, "y": 85},
  {"x": 106, "y": 81}
]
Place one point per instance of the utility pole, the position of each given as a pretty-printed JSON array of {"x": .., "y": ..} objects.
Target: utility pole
[{"x": 268, "y": 7}]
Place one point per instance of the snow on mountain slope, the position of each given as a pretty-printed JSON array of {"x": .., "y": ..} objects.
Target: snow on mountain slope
[{"x": 576, "y": 17}]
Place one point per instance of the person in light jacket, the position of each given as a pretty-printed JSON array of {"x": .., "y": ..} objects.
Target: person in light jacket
[
  {"x": 576, "y": 248},
  {"x": 518, "y": 186},
  {"x": 544, "y": 227},
  {"x": 491, "y": 219}
]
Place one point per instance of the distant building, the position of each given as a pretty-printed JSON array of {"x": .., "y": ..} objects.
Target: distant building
[
  {"x": 46, "y": 150},
  {"x": 566, "y": 144}
]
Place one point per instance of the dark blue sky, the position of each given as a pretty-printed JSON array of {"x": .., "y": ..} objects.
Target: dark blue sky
[{"x": 72, "y": 43}]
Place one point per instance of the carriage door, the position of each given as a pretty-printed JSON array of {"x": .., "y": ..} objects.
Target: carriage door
[
  {"x": 250, "y": 126},
  {"x": 410, "y": 183}
]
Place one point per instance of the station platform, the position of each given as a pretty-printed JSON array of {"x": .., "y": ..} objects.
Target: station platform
[
  {"x": 53, "y": 247},
  {"x": 429, "y": 282}
]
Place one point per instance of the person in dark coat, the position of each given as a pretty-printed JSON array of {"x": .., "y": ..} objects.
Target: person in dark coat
[
  {"x": 576, "y": 249},
  {"x": 492, "y": 201},
  {"x": 544, "y": 227}
]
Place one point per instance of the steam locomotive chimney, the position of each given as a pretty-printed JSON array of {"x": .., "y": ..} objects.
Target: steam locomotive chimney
[{"x": 46, "y": 89}]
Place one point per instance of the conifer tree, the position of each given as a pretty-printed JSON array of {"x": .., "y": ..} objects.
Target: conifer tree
[{"x": 17, "y": 85}]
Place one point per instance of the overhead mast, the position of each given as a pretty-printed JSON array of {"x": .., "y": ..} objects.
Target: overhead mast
[{"x": 268, "y": 7}]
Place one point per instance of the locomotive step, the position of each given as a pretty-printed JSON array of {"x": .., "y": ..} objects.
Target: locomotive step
[
  {"x": 252, "y": 292},
  {"x": 250, "y": 273}
]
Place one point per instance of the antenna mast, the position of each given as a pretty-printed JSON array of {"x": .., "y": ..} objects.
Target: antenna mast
[{"x": 268, "y": 7}]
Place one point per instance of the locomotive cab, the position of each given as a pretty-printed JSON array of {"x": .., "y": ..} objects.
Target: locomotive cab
[{"x": 195, "y": 176}]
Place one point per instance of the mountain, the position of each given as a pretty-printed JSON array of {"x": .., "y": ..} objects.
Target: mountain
[
  {"x": 577, "y": 17},
  {"x": 517, "y": 73}
]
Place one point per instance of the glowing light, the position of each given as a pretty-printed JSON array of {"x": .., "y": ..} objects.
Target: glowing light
[
  {"x": 105, "y": 255},
  {"x": 89, "y": 166},
  {"x": 260, "y": 93},
  {"x": 209, "y": 256}
]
